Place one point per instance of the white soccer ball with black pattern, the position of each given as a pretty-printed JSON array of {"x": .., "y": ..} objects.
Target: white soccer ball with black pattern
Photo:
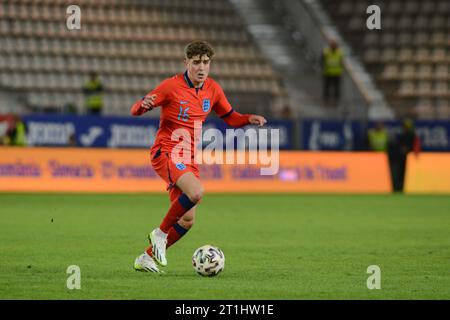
[{"x": 208, "y": 261}]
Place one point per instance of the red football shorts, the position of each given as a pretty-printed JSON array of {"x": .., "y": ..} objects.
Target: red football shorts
[{"x": 170, "y": 172}]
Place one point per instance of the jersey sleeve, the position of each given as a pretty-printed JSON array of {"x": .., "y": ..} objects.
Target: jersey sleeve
[
  {"x": 161, "y": 91},
  {"x": 237, "y": 120},
  {"x": 221, "y": 106}
]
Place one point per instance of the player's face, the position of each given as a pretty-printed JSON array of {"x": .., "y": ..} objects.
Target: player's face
[{"x": 198, "y": 68}]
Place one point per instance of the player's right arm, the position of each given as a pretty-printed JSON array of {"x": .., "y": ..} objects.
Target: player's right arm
[
  {"x": 147, "y": 103},
  {"x": 155, "y": 98}
]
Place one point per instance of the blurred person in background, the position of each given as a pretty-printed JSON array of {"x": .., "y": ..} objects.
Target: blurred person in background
[
  {"x": 286, "y": 112},
  {"x": 70, "y": 108},
  {"x": 73, "y": 141},
  {"x": 93, "y": 89},
  {"x": 378, "y": 138},
  {"x": 16, "y": 134},
  {"x": 333, "y": 67},
  {"x": 407, "y": 141}
]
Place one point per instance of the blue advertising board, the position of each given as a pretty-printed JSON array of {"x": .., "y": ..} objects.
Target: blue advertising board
[
  {"x": 330, "y": 135},
  {"x": 350, "y": 135},
  {"x": 127, "y": 132},
  {"x": 433, "y": 135}
]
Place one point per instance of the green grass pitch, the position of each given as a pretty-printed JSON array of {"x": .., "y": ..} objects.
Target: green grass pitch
[{"x": 276, "y": 246}]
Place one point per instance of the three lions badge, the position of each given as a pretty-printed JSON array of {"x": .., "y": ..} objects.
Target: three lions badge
[{"x": 206, "y": 105}]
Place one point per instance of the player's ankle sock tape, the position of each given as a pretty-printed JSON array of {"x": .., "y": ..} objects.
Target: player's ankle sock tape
[
  {"x": 186, "y": 202},
  {"x": 179, "y": 229}
]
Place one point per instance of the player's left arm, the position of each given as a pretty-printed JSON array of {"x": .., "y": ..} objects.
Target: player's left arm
[{"x": 236, "y": 119}]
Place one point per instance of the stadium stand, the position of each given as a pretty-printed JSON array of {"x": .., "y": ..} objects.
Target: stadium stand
[
  {"x": 409, "y": 57},
  {"x": 132, "y": 45}
]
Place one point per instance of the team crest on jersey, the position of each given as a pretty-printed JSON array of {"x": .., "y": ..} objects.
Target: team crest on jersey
[
  {"x": 206, "y": 105},
  {"x": 180, "y": 166}
]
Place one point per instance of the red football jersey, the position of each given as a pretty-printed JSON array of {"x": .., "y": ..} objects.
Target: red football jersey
[{"x": 182, "y": 105}]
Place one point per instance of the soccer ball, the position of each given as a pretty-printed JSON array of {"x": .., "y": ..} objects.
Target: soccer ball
[{"x": 208, "y": 261}]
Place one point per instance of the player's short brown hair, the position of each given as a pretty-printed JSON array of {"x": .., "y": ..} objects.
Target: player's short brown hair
[{"x": 200, "y": 48}]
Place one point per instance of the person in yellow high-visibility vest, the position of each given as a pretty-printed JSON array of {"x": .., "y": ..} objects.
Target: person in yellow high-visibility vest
[
  {"x": 20, "y": 136},
  {"x": 16, "y": 135},
  {"x": 333, "y": 68},
  {"x": 378, "y": 138},
  {"x": 93, "y": 89}
]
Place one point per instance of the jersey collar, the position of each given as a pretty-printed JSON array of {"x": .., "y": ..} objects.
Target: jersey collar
[{"x": 189, "y": 82}]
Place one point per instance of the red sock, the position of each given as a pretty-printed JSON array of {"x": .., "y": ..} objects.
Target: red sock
[
  {"x": 175, "y": 233},
  {"x": 178, "y": 207}
]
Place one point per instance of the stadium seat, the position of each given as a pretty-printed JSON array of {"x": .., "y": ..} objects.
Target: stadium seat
[
  {"x": 441, "y": 89},
  {"x": 407, "y": 88},
  {"x": 371, "y": 39},
  {"x": 428, "y": 7},
  {"x": 421, "y": 38},
  {"x": 389, "y": 23},
  {"x": 425, "y": 72},
  {"x": 424, "y": 109},
  {"x": 443, "y": 107},
  {"x": 404, "y": 39},
  {"x": 394, "y": 7},
  {"x": 438, "y": 38},
  {"x": 413, "y": 46},
  {"x": 356, "y": 23},
  {"x": 438, "y": 23},
  {"x": 388, "y": 39},
  {"x": 388, "y": 55},
  {"x": 405, "y": 23},
  {"x": 391, "y": 71},
  {"x": 408, "y": 72},
  {"x": 131, "y": 57},
  {"x": 439, "y": 55},
  {"x": 425, "y": 89},
  {"x": 442, "y": 72},
  {"x": 412, "y": 7},
  {"x": 421, "y": 23},
  {"x": 405, "y": 55},
  {"x": 422, "y": 55},
  {"x": 443, "y": 112}
]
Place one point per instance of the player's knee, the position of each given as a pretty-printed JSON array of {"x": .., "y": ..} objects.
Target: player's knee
[{"x": 196, "y": 195}]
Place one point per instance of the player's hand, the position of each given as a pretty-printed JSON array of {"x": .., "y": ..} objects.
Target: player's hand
[
  {"x": 258, "y": 120},
  {"x": 149, "y": 102}
]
